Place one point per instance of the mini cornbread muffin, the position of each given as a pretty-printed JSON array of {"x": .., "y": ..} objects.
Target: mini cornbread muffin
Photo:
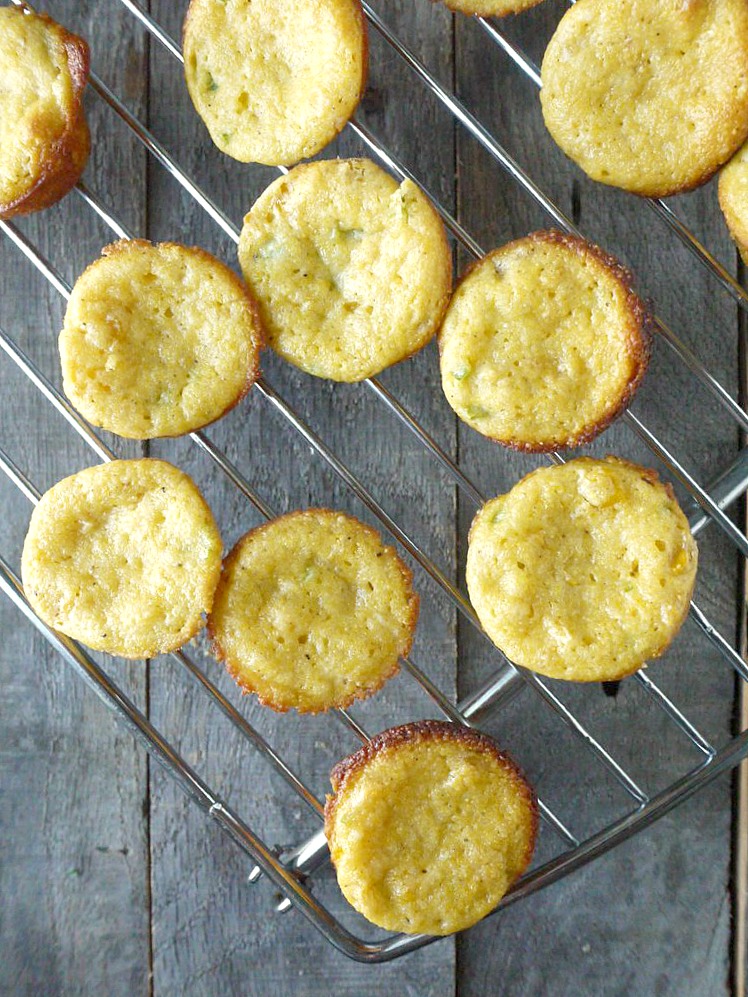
[
  {"x": 124, "y": 557},
  {"x": 428, "y": 827},
  {"x": 544, "y": 343},
  {"x": 583, "y": 571},
  {"x": 490, "y": 8},
  {"x": 158, "y": 340},
  {"x": 733, "y": 199},
  {"x": 313, "y": 611},
  {"x": 273, "y": 81},
  {"x": 650, "y": 97},
  {"x": 352, "y": 271},
  {"x": 44, "y": 139}
]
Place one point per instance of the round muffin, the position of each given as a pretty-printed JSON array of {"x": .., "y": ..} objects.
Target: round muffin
[
  {"x": 733, "y": 199},
  {"x": 274, "y": 82},
  {"x": 583, "y": 571},
  {"x": 428, "y": 827},
  {"x": 544, "y": 343},
  {"x": 352, "y": 271},
  {"x": 312, "y": 611},
  {"x": 124, "y": 557},
  {"x": 44, "y": 139},
  {"x": 158, "y": 340},
  {"x": 650, "y": 97},
  {"x": 490, "y": 8}
]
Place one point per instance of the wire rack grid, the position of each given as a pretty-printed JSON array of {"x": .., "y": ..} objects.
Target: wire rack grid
[{"x": 291, "y": 870}]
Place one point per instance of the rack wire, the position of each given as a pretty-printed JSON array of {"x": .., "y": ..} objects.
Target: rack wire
[{"x": 291, "y": 871}]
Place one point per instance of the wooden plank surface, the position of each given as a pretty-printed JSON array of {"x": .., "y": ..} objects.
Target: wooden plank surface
[
  {"x": 116, "y": 883},
  {"x": 74, "y": 915},
  {"x": 208, "y": 925},
  {"x": 653, "y": 916}
]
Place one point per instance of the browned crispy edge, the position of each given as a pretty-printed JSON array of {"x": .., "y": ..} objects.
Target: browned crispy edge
[
  {"x": 152, "y": 650},
  {"x": 737, "y": 225},
  {"x": 653, "y": 478},
  {"x": 638, "y": 335},
  {"x": 702, "y": 178},
  {"x": 422, "y": 731},
  {"x": 492, "y": 8},
  {"x": 445, "y": 253},
  {"x": 233, "y": 667},
  {"x": 211, "y": 584},
  {"x": 672, "y": 189},
  {"x": 124, "y": 246},
  {"x": 333, "y": 133},
  {"x": 67, "y": 157},
  {"x": 441, "y": 309},
  {"x": 740, "y": 134}
]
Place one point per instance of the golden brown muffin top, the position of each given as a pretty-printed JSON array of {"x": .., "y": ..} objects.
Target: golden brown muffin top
[
  {"x": 429, "y": 826},
  {"x": 544, "y": 343},
  {"x": 43, "y": 136},
  {"x": 158, "y": 340},
  {"x": 733, "y": 198},
  {"x": 582, "y": 571},
  {"x": 124, "y": 557},
  {"x": 351, "y": 270},
  {"x": 274, "y": 81},
  {"x": 490, "y": 8},
  {"x": 651, "y": 97},
  {"x": 313, "y": 611}
]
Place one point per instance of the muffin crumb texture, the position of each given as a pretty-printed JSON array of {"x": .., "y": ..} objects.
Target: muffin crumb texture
[
  {"x": 313, "y": 611},
  {"x": 44, "y": 138},
  {"x": 544, "y": 343},
  {"x": 352, "y": 271},
  {"x": 274, "y": 82},
  {"x": 124, "y": 557},
  {"x": 158, "y": 340},
  {"x": 490, "y": 8},
  {"x": 430, "y": 824},
  {"x": 650, "y": 97},
  {"x": 583, "y": 571},
  {"x": 733, "y": 199}
]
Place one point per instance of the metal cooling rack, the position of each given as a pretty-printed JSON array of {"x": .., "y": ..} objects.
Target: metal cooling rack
[{"x": 291, "y": 871}]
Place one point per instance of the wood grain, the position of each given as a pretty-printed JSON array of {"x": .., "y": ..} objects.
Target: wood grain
[
  {"x": 74, "y": 853},
  {"x": 740, "y": 779},
  {"x": 116, "y": 883},
  {"x": 613, "y": 928},
  {"x": 210, "y": 928}
]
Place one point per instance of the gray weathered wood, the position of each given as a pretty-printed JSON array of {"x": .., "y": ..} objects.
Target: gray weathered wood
[
  {"x": 211, "y": 930},
  {"x": 74, "y": 855},
  {"x": 116, "y": 883},
  {"x": 652, "y": 917}
]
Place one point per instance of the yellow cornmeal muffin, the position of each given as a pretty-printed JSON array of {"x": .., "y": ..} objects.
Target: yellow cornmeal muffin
[
  {"x": 313, "y": 611},
  {"x": 544, "y": 343},
  {"x": 352, "y": 271},
  {"x": 158, "y": 340},
  {"x": 583, "y": 571},
  {"x": 44, "y": 139},
  {"x": 490, "y": 8},
  {"x": 651, "y": 97},
  {"x": 428, "y": 827},
  {"x": 733, "y": 199},
  {"x": 124, "y": 557},
  {"x": 273, "y": 81}
]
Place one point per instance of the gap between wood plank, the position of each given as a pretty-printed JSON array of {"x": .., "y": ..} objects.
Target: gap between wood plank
[{"x": 740, "y": 861}]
